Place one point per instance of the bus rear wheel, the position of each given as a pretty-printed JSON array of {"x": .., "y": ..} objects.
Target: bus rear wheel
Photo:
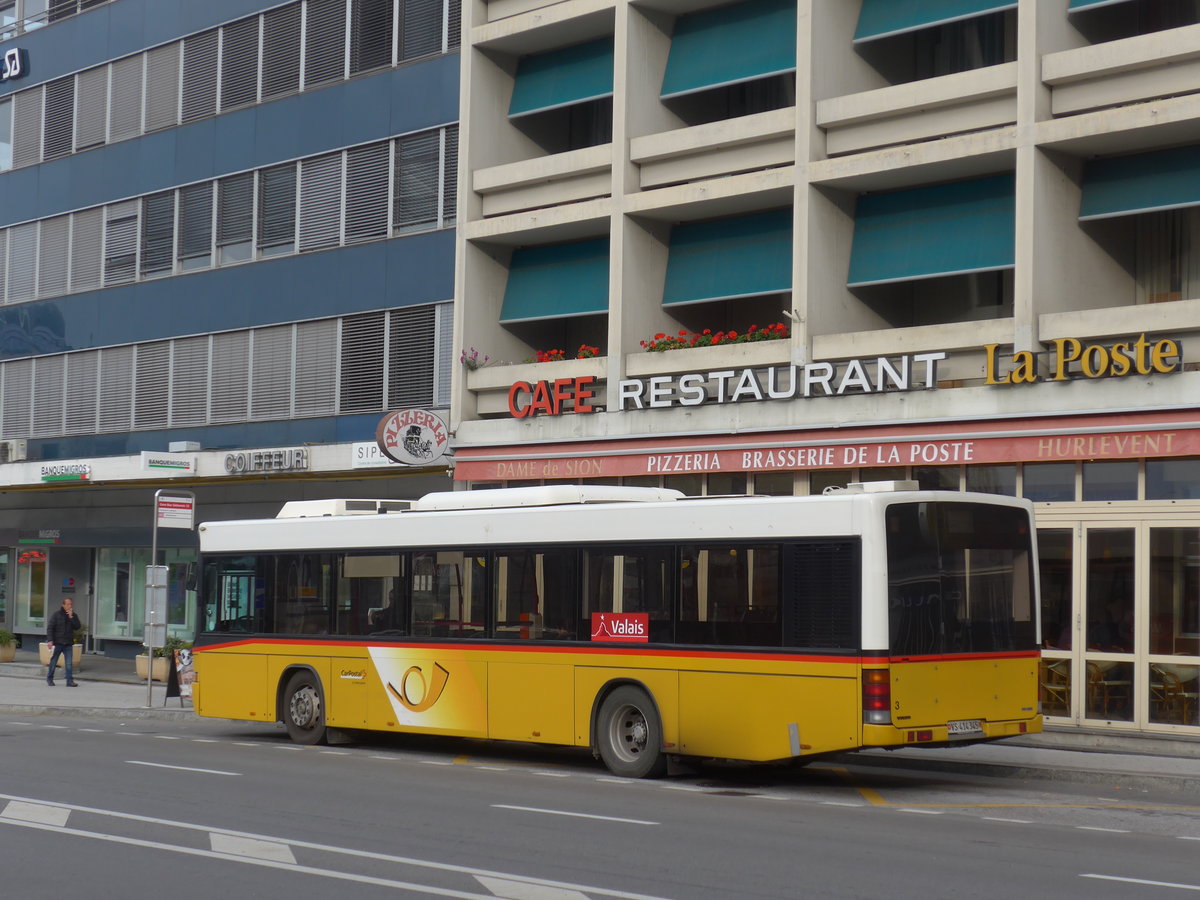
[
  {"x": 629, "y": 734},
  {"x": 304, "y": 709}
]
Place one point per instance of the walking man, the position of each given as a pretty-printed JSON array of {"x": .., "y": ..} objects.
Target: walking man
[{"x": 60, "y": 635}]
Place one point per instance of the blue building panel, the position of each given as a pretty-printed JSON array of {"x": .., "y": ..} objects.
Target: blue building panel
[
  {"x": 119, "y": 29},
  {"x": 420, "y": 96},
  {"x": 381, "y": 275}
]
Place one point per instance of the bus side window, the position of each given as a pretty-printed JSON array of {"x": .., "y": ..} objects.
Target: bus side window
[
  {"x": 729, "y": 595},
  {"x": 366, "y": 595},
  {"x": 535, "y": 595},
  {"x": 635, "y": 581},
  {"x": 449, "y": 596}
]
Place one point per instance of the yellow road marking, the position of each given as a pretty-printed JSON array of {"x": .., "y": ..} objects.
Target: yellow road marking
[{"x": 876, "y": 799}]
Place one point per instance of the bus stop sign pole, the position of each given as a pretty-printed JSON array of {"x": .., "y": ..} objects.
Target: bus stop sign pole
[{"x": 172, "y": 509}]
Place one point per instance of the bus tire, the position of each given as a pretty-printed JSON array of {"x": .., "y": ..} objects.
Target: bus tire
[
  {"x": 629, "y": 734},
  {"x": 304, "y": 708}
]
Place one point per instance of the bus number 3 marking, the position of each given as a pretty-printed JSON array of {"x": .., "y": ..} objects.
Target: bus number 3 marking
[{"x": 427, "y": 694}]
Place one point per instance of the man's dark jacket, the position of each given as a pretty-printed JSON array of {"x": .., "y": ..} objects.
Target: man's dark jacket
[{"x": 61, "y": 627}]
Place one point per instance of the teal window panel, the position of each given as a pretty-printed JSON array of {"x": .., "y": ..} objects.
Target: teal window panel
[
  {"x": 1143, "y": 182},
  {"x": 730, "y": 45},
  {"x": 556, "y": 281},
  {"x": 947, "y": 229},
  {"x": 883, "y": 18},
  {"x": 1092, "y": 4},
  {"x": 563, "y": 77},
  {"x": 745, "y": 256}
]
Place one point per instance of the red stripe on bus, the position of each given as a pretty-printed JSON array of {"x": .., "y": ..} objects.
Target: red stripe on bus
[{"x": 624, "y": 650}]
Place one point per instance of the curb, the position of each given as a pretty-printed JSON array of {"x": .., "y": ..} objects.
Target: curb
[
  {"x": 1126, "y": 780},
  {"x": 99, "y": 712}
]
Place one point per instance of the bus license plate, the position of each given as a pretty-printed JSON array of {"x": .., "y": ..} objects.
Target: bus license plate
[{"x": 964, "y": 727}]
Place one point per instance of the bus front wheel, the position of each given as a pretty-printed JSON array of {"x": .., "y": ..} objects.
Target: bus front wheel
[
  {"x": 629, "y": 734},
  {"x": 304, "y": 709}
]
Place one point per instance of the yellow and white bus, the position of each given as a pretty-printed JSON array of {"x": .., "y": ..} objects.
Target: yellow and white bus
[{"x": 635, "y": 621}]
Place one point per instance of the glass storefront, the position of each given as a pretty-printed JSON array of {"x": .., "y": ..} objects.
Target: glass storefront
[{"x": 121, "y": 591}]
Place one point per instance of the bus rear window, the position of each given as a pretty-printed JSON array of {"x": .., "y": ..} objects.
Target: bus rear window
[{"x": 960, "y": 579}]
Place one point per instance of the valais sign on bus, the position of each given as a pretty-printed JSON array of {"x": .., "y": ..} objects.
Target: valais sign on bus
[
  {"x": 412, "y": 437},
  {"x": 629, "y": 627}
]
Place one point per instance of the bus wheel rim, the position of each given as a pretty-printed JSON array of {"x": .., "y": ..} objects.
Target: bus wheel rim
[
  {"x": 306, "y": 707},
  {"x": 630, "y": 732}
]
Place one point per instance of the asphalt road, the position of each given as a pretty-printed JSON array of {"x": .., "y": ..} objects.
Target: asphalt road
[{"x": 212, "y": 808}]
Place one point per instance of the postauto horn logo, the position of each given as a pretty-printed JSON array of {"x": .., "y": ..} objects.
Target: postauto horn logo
[
  {"x": 627, "y": 627},
  {"x": 415, "y": 692}
]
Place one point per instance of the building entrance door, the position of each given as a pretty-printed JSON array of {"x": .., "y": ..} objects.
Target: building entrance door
[{"x": 1121, "y": 623}]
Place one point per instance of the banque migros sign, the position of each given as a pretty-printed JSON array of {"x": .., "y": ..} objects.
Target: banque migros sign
[{"x": 1067, "y": 359}]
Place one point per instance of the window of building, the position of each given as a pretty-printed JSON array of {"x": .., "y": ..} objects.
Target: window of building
[
  {"x": 54, "y": 252},
  {"x": 412, "y": 347},
  {"x": 239, "y": 63},
  {"x": 162, "y": 88},
  {"x": 421, "y": 28},
  {"x": 87, "y": 249},
  {"x": 1168, "y": 255},
  {"x": 158, "y": 234},
  {"x": 125, "y": 100},
  {"x": 91, "y": 111},
  {"x": 1173, "y": 479},
  {"x": 277, "y": 210},
  {"x": 1100, "y": 22},
  {"x": 367, "y": 187},
  {"x": 195, "y": 226},
  {"x": 271, "y": 372},
  {"x": 417, "y": 165},
  {"x": 120, "y": 243},
  {"x": 1048, "y": 482},
  {"x": 321, "y": 202},
  {"x": 324, "y": 41},
  {"x": 235, "y": 218},
  {"x": 370, "y": 35},
  {"x": 936, "y": 478},
  {"x": 1110, "y": 480},
  {"x": 200, "y": 75},
  {"x": 992, "y": 479},
  {"x": 562, "y": 98},
  {"x": 933, "y": 44},
  {"x": 8, "y": 20},
  {"x": 151, "y": 384},
  {"x": 281, "y": 52},
  {"x": 363, "y": 355},
  {"x": 6, "y": 142},
  {"x": 774, "y": 484}
]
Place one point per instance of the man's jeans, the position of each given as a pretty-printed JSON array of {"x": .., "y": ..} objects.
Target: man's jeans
[{"x": 68, "y": 655}]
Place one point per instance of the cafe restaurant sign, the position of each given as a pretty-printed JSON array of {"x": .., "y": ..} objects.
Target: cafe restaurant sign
[{"x": 1067, "y": 359}]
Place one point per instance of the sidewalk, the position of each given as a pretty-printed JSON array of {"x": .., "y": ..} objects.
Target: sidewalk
[
  {"x": 110, "y": 687},
  {"x": 107, "y": 687}
]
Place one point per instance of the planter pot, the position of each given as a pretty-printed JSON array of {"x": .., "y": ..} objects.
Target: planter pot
[
  {"x": 8, "y": 652},
  {"x": 44, "y": 652},
  {"x": 160, "y": 667}
]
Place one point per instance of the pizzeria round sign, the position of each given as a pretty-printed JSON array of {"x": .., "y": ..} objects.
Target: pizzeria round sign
[{"x": 412, "y": 437}]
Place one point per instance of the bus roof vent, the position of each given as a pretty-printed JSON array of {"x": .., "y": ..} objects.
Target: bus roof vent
[
  {"x": 874, "y": 487},
  {"x": 547, "y": 495},
  {"x": 311, "y": 509}
]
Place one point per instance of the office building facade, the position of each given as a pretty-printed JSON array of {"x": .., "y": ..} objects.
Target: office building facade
[
  {"x": 777, "y": 246},
  {"x": 225, "y": 252}
]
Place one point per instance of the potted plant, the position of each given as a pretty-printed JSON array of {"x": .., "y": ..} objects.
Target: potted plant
[
  {"x": 162, "y": 656},
  {"x": 8, "y": 646},
  {"x": 45, "y": 650}
]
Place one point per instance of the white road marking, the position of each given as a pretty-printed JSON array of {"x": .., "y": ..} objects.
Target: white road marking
[
  {"x": 577, "y": 815},
  {"x": 309, "y": 845},
  {"x": 1098, "y": 828},
  {"x": 492, "y": 768},
  {"x": 1187, "y": 837},
  {"x": 251, "y": 848},
  {"x": 54, "y": 726},
  {"x": 93, "y": 730},
  {"x": 138, "y": 762},
  {"x": 552, "y": 774},
  {"x": 167, "y": 737},
  {"x": 923, "y": 812},
  {"x": 336, "y": 752},
  {"x": 1014, "y": 821},
  {"x": 246, "y": 744},
  {"x": 522, "y": 890},
  {"x": 436, "y": 762},
  {"x": 1171, "y": 884},
  {"x": 842, "y": 803},
  {"x": 683, "y": 787},
  {"x": 204, "y": 740},
  {"x": 36, "y": 812}
]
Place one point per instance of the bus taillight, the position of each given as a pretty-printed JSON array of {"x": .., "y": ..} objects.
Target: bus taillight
[{"x": 877, "y": 696}]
